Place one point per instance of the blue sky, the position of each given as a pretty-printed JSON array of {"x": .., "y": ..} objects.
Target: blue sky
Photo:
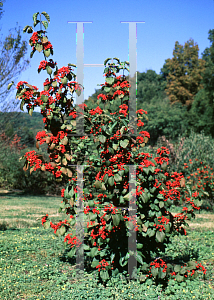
[{"x": 166, "y": 22}]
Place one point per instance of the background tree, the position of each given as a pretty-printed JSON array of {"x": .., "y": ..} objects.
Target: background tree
[
  {"x": 149, "y": 85},
  {"x": 201, "y": 115},
  {"x": 12, "y": 62},
  {"x": 183, "y": 73}
]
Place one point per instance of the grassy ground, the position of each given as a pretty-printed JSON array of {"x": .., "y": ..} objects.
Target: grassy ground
[{"x": 33, "y": 264}]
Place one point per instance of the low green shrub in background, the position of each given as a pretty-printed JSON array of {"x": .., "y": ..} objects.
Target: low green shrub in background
[{"x": 12, "y": 175}]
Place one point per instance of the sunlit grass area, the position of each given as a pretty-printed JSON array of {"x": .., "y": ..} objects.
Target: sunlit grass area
[{"x": 34, "y": 264}]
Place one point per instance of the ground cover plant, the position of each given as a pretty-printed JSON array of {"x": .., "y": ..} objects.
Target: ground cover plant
[
  {"x": 34, "y": 265},
  {"x": 106, "y": 240}
]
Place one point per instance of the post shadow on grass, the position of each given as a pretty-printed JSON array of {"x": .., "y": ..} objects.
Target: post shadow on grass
[{"x": 4, "y": 227}]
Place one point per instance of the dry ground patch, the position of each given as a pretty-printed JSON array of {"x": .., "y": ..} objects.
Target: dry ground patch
[{"x": 25, "y": 214}]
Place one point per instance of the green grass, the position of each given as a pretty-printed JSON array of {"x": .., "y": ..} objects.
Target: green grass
[{"x": 33, "y": 264}]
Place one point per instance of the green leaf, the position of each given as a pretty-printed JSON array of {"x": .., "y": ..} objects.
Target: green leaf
[
  {"x": 92, "y": 216},
  {"x": 195, "y": 275},
  {"x": 150, "y": 232},
  {"x": 9, "y": 85},
  {"x": 112, "y": 257},
  {"x": 44, "y": 39},
  {"x": 145, "y": 197},
  {"x": 45, "y": 24},
  {"x": 116, "y": 219},
  {"x": 46, "y": 225},
  {"x": 106, "y": 60},
  {"x": 121, "y": 200},
  {"x": 191, "y": 265},
  {"x": 66, "y": 195},
  {"x": 179, "y": 278},
  {"x": 54, "y": 84},
  {"x": 105, "y": 178},
  {"x": 94, "y": 263},
  {"x": 160, "y": 196},
  {"x": 154, "y": 271},
  {"x": 126, "y": 197},
  {"x": 72, "y": 252},
  {"x": 35, "y": 17},
  {"x": 104, "y": 275},
  {"x": 44, "y": 98},
  {"x": 62, "y": 230},
  {"x": 122, "y": 129},
  {"x": 146, "y": 170},
  {"x": 124, "y": 191},
  {"x": 161, "y": 204},
  {"x": 47, "y": 52},
  {"x": 143, "y": 278},
  {"x": 94, "y": 251},
  {"x": 91, "y": 203},
  {"x": 117, "y": 60},
  {"x": 126, "y": 169},
  {"x": 142, "y": 216},
  {"x": 139, "y": 258},
  {"x": 160, "y": 236},
  {"x": 30, "y": 112},
  {"x": 152, "y": 190},
  {"x": 169, "y": 202},
  {"x": 30, "y": 30},
  {"x": 64, "y": 80},
  {"x": 124, "y": 143},
  {"x": 62, "y": 205},
  {"x": 72, "y": 65},
  {"x": 139, "y": 246},
  {"x": 115, "y": 272},
  {"x": 161, "y": 274},
  {"x": 123, "y": 262},
  {"x": 117, "y": 177},
  {"x": 103, "y": 188},
  {"x": 98, "y": 184},
  {"x": 183, "y": 271},
  {"x": 39, "y": 47},
  {"x": 150, "y": 178},
  {"x": 115, "y": 146},
  {"x": 110, "y": 80},
  {"x": 177, "y": 268},
  {"x": 106, "y": 218},
  {"x": 22, "y": 104},
  {"x": 50, "y": 117},
  {"x": 25, "y": 28},
  {"x": 49, "y": 71},
  {"x": 46, "y": 88},
  {"x": 121, "y": 172},
  {"x": 102, "y": 138},
  {"x": 167, "y": 228},
  {"x": 35, "y": 23},
  {"x": 107, "y": 89},
  {"x": 46, "y": 16},
  {"x": 111, "y": 181},
  {"x": 111, "y": 129},
  {"x": 109, "y": 226},
  {"x": 86, "y": 247}
]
